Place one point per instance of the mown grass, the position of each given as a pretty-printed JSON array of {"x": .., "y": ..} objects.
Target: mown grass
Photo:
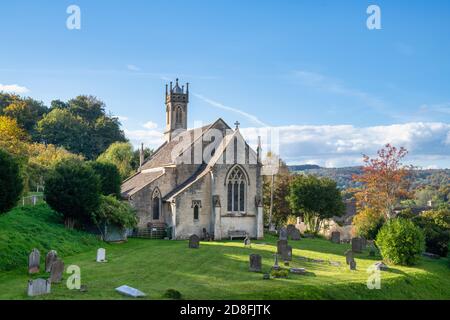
[
  {"x": 219, "y": 270},
  {"x": 25, "y": 228}
]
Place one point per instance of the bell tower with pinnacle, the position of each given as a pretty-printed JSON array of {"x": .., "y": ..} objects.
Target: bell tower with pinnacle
[{"x": 177, "y": 99}]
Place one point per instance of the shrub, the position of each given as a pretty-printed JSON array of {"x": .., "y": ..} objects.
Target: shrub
[
  {"x": 109, "y": 176},
  {"x": 436, "y": 227},
  {"x": 10, "y": 181},
  {"x": 172, "y": 294},
  {"x": 367, "y": 223},
  {"x": 400, "y": 242},
  {"x": 116, "y": 212},
  {"x": 281, "y": 273},
  {"x": 73, "y": 189}
]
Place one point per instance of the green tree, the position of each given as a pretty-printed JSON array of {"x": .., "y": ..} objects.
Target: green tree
[
  {"x": 27, "y": 112},
  {"x": 10, "y": 181},
  {"x": 367, "y": 223},
  {"x": 119, "y": 154},
  {"x": 62, "y": 128},
  {"x": 112, "y": 211},
  {"x": 73, "y": 189},
  {"x": 400, "y": 242},
  {"x": 316, "y": 199},
  {"x": 136, "y": 157},
  {"x": 110, "y": 179}
]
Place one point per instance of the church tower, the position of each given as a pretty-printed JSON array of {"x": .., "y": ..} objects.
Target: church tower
[{"x": 177, "y": 100}]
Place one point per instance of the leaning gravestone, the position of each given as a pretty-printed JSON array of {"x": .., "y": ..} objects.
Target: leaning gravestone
[
  {"x": 353, "y": 265},
  {"x": 101, "y": 255},
  {"x": 51, "y": 257},
  {"x": 194, "y": 242},
  {"x": 56, "y": 271},
  {"x": 34, "y": 260},
  {"x": 286, "y": 253},
  {"x": 38, "y": 287},
  {"x": 283, "y": 234},
  {"x": 255, "y": 263},
  {"x": 357, "y": 245},
  {"x": 336, "y": 237},
  {"x": 349, "y": 256}
]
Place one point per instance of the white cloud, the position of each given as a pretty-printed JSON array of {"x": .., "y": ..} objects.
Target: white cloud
[
  {"x": 13, "y": 88},
  {"x": 150, "y": 138},
  {"x": 122, "y": 118},
  {"x": 132, "y": 67},
  {"x": 150, "y": 125},
  {"x": 343, "y": 145}
]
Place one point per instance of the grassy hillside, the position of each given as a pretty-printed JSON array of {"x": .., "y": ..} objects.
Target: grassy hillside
[
  {"x": 25, "y": 228},
  {"x": 219, "y": 270}
]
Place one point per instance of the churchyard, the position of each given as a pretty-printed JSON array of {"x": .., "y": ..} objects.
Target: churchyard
[{"x": 221, "y": 270}]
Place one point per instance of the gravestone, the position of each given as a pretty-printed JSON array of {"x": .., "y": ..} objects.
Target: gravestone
[
  {"x": 38, "y": 287},
  {"x": 381, "y": 266},
  {"x": 51, "y": 257},
  {"x": 275, "y": 265},
  {"x": 281, "y": 246},
  {"x": 290, "y": 229},
  {"x": 255, "y": 263},
  {"x": 295, "y": 235},
  {"x": 286, "y": 253},
  {"x": 101, "y": 255},
  {"x": 336, "y": 237},
  {"x": 297, "y": 270},
  {"x": 247, "y": 242},
  {"x": 131, "y": 292},
  {"x": 357, "y": 245},
  {"x": 194, "y": 242},
  {"x": 349, "y": 256},
  {"x": 353, "y": 265},
  {"x": 34, "y": 261},
  {"x": 56, "y": 271},
  {"x": 283, "y": 235}
]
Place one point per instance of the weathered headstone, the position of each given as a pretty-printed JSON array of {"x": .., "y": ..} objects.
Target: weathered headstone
[
  {"x": 349, "y": 256},
  {"x": 357, "y": 245},
  {"x": 247, "y": 242},
  {"x": 101, "y": 255},
  {"x": 34, "y": 261},
  {"x": 51, "y": 257},
  {"x": 295, "y": 235},
  {"x": 281, "y": 246},
  {"x": 56, "y": 271},
  {"x": 283, "y": 235},
  {"x": 353, "y": 265},
  {"x": 286, "y": 253},
  {"x": 194, "y": 242},
  {"x": 255, "y": 263},
  {"x": 336, "y": 237},
  {"x": 298, "y": 270},
  {"x": 275, "y": 265},
  {"x": 38, "y": 287},
  {"x": 381, "y": 266},
  {"x": 131, "y": 292}
]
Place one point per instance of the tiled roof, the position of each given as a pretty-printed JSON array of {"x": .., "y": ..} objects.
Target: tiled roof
[{"x": 138, "y": 181}]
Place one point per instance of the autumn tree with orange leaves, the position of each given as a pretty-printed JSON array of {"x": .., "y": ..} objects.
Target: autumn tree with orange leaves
[{"x": 384, "y": 181}]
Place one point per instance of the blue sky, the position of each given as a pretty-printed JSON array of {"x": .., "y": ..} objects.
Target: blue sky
[{"x": 334, "y": 88}]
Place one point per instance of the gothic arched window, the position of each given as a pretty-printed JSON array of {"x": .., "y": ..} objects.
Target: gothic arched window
[
  {"x": 196, "y": 205},
  {"x": 236, "y": 191},
  {"x": 156, "y": 201},
  {"x": 179, "y": 116}
]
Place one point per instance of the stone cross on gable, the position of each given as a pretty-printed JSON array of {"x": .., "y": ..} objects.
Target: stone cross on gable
[{"x": 237, "y": 124}]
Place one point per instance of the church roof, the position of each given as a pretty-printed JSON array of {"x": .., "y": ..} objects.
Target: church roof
[{"x": 161, "y": 158}]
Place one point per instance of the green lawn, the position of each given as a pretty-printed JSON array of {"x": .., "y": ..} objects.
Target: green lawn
[{"x": 219, "y": 270}]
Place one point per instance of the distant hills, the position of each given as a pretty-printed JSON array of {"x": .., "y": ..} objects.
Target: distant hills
[{"x": 343, "y": 176}]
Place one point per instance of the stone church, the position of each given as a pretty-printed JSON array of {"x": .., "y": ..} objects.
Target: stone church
[{"x": 202, "y": 180}]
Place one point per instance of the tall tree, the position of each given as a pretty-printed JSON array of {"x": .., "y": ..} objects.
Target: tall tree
[
  {"x": 383, "y": 181},
  {"x": 27, "y": 112},
  {"x": 316, "y": 199},
  {"x": 121, "y": 155},
  {"x": 12, "y": 137},
  {"x": 10, "y": 181}
]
